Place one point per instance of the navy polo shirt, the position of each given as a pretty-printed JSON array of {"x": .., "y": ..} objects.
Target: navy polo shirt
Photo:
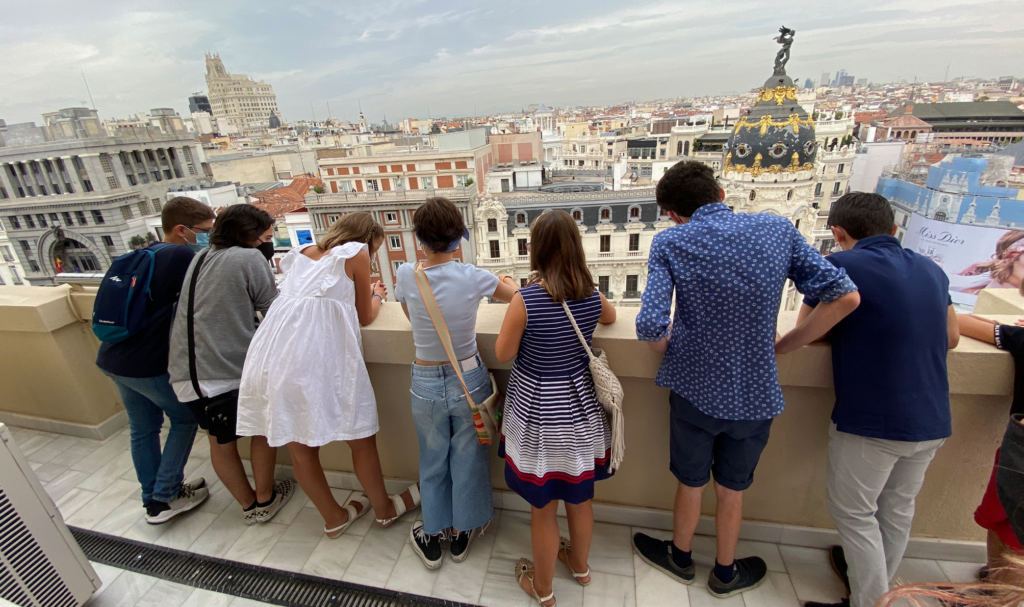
[{"x": 889, "y": 355}]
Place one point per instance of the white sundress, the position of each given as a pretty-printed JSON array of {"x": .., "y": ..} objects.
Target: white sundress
[{"x": 304, "y": 378}]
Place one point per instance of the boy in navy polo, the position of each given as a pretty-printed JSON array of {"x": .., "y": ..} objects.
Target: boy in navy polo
[{"x": 892, "y": 394}]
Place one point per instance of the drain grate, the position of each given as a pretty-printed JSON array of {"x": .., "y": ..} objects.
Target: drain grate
[{"x": 239, "y": 579}]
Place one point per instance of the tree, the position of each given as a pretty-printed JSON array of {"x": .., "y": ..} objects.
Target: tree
[
  {"x": 839, "y": 114},
  {"x": 318, "y": 188},
  {"x": 983, "y": 98},
  {"x": 469, "y": 182},
  {"x": 136, "y": 242}
]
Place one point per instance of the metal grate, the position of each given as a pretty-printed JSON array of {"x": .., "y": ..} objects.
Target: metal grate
[
  {"x": 26, "y": 575},
  {"x": 239, "y": 579}
]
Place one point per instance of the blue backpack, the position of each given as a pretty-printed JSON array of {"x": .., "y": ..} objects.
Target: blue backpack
[{"x": 124, "y": 295}]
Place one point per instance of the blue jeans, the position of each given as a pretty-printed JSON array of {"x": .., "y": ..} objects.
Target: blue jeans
[
  {"x": 455, "y": 471},
  {"x": 146, "y": 400}
]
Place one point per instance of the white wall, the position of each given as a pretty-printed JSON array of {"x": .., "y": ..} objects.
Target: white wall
[
  {"x": 299, "y": 222},
  {"x": 867, "y": 167}
]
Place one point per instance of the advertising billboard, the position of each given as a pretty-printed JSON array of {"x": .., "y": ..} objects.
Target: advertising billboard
[{"x": 973, "y": 256}]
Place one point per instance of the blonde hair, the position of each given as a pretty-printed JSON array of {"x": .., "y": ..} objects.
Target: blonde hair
[
  {"x": 352, "y": 227},
  {"x": 1000, "y": 266},
  {"x": 987, "y": 593}
]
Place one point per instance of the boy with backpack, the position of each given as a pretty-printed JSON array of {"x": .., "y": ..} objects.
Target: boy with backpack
[
  {"x": 727, "y": 271},
  {"x": 892, "y": 393},
  {"x": 132, "y": 316}
]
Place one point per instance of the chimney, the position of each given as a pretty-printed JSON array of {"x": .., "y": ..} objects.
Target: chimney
[{"x": 908, "y": 109}]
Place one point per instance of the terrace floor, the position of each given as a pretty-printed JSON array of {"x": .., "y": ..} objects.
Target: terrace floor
[{"x": 93, "y": 483}]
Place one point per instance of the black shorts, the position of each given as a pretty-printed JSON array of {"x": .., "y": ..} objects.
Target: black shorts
[
  {"x": 217, "y": 415},
  {"x": 701, "y": 445}
]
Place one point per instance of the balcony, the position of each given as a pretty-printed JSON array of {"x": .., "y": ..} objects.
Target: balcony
[
  {"x": 341, "y": 198},
  {"x": 70, "y": 425},
  {"x": 631, "y": 294}
]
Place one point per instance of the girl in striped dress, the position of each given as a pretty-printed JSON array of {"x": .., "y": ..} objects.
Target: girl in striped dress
[{"x": 556, "y": 438}]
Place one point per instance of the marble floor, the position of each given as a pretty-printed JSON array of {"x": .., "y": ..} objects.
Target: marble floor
[{"x": 93, "y": 483}]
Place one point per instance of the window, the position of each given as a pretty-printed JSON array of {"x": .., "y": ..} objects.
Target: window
[
  {"x": 112, "y": 182},
  {"x": 33, "y": 265},
  {"x": 54, "y": 218},
  {"x": 602, "y": 284},
  {"x": 753, "y": 194},
  {"x": 395, "y": 243},
  {"x": 14, "y": 223},
  {"x": 29, "y": 221},
  {"x": 840, "y": 169},
  {"x": 606, "y": 243},
  {"x": 6, "y": 252},
  {"x": 817, "y": 190},
  {"x": 331, "y": 218},
  {"x": 42, "y": 220},
  {"x": 97, "y": 217},
  {"x": 634, "y": 242},
  {"x": 391, "y": 217},
  {"x": 143, "y": 208},
  {"x": 524, "y": 247},
  {"x": 105, "y": 163},
  {"x": 372, "y": 185},
  {"x": 523, "y": 282},
  {"x": 521, "y": 219},
  {"x": 395, "y": 265},
  {"x": 108, "y": 242},
  {"x": 835, "y": 190},
  {"x": 495, "y": 249},
  {"x": 634, "y": 213},
  {"x": 606, "y": 214},
  {"x": 67, "y": 219},
  {"x": 126, "y": 212},
  {"x": 796, "y": 224},
  {"x": 492, "y": 225},
  {"x": 577, "y": 215},
  {"x": 632, "y": 283},
  {"x": 80, "y": 215},
  {"x": 157, "y": 205},
  {"x": 679, "y": 148},
  {"x": 25, "y": 246}
]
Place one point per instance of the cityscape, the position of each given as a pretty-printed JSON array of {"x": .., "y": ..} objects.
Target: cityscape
[{"x": 788, "y": 127}]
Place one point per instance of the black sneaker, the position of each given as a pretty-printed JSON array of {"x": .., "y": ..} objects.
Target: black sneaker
[
  {"x": 427, "y": 546},
  {"x": 750, "y": 573},
  {"x": 658, "y": 554},
  {"x": 842, "y": 603},
  {"x": 460, "y": 544},
  {"x": 188, "y": 498},
  {"x": 837, "y": 558}
]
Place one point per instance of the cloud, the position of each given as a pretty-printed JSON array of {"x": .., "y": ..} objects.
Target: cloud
[{"x": 396, "y": 57}]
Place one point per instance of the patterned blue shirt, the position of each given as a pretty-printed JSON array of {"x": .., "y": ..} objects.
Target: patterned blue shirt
[{"x": 728, "y": 271}]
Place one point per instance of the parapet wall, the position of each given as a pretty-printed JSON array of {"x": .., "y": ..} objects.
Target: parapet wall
[{"x": 47, "y": 355}]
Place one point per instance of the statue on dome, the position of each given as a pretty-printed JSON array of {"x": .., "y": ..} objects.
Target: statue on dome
[{"x": 782, "y": 57}]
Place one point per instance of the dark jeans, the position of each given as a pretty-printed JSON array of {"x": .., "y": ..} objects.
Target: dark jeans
[{"x": 1010, "y": 475}]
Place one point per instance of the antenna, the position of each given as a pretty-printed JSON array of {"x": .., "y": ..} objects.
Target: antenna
[
  {"x": 328, "y": 110},
  {"x": 87, "y": 90},
  {"x": 945, "y": 79}
]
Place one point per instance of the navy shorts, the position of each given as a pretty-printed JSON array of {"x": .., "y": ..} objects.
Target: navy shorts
[{"x": 701, "y": 445}]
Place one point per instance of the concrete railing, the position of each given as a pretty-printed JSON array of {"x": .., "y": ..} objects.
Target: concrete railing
[{"x": 50, "y": 381}]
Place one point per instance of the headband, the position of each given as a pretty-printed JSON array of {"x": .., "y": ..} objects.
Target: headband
[{"x": 452, "y": 245}]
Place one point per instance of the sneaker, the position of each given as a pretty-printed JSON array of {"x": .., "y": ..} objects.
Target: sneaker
[
  {"x": 837, "y": 558},
  {"x": 427, "y": 546},
  {"x": 842, "y": 603},
  {"x": 461, "y": 542},
  {"x": 188, "y": 498},
  {"x": 283, "y": 492},
  {"x": 658, "y": 554},
  {"x": 199, "y": 483},
  {"x": 750, "y": 573}
]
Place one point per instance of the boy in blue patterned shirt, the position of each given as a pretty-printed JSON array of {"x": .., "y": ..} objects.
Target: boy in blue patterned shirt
[{"x": 727, "y": 272}]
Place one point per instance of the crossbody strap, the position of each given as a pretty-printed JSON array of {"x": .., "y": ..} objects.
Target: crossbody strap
[
  {"x": 583, "y": 340},
  {"x": 427, "y": 294},
  {"x": 191, "y": 322}
]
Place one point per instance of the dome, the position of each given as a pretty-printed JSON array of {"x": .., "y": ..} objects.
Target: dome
[{"x": 776, "y": 136}]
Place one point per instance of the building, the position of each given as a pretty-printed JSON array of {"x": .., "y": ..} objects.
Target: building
[
  {"x": 245, "y": 104},
  {"x": 871, "y": 161},
  {"x": 164, "y": 120},
  {"x": 199, "y": 103},
  {"x": 72, "y": 198},
  {"x": 11, "y": 272},
  {"x": 983, "y": 121}
]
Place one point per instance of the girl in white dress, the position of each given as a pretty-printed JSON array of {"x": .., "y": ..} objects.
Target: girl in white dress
[{"x": 305, "y": 383}]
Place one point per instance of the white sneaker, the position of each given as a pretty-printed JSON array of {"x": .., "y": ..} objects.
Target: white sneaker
[
  {"x": 283, "y": 491},
  {"x": 189, "y": 497}
]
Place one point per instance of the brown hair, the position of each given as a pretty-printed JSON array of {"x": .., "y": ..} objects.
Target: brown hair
[
  {"x": 557, "y": 258},
  {"x": 352, "y": 227},
  {"x": 1001, "y": 264},
  {"x": 182, "y": 211},
  {"x": 438, "y": 222}
]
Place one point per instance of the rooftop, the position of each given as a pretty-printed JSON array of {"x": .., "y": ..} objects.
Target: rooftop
[{"x": 963, "y": 109}]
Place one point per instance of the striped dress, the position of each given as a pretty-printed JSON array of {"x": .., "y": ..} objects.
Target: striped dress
[{"x": 556, "y": 438}]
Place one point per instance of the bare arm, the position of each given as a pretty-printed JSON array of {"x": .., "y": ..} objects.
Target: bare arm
[
  {"x": 952, "y": 328},
  {"x": 607, "y": 312},
  {"x": 818, "y": 323},
  {"x": 805, "y": 311},
  {"x": 512, "y": 328},
  {"x": 367, "y": 306},
  {"x": 506, "y": 289},
  {"x": 976, "y": 327}
]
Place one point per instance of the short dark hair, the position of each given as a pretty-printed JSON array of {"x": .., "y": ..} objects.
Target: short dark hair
[
  {"x": 438, "y": 223},
  {"x": 862, "y": 214},
  {"x": 182, "y": 211},
  {"x": 239, "y": 225},
  {"x": 686, "y": 187}
]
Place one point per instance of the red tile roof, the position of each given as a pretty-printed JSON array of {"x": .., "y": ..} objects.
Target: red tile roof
[{"x": 285, "y": 199}]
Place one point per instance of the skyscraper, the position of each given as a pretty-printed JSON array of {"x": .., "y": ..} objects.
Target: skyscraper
[
  {"x": 824, "y": 79},
  {"x": 199, "y": 103},
  {"x": 238, "y": 99}
]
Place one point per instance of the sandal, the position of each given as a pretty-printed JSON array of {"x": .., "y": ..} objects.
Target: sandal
[
  {"x": 353, "y": 514},
  {"x": 400, "y": 507},
  {"x": 565, "y": 546},
  {"x": 524, "y": 568}
]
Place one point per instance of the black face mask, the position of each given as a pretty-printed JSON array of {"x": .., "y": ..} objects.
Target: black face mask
[{"x": 267, "y": 248}]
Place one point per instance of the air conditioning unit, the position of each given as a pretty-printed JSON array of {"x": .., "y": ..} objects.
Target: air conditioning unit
[{"x": 41, "y": 565}]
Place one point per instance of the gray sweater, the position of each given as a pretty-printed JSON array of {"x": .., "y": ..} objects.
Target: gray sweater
[{"x": 234, "y": 284}]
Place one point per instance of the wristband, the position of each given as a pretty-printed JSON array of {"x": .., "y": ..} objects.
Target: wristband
[{"x": 379, "y": 295}]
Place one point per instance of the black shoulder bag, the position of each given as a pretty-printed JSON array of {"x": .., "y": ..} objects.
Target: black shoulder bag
[{"x": 217, "y": 415}]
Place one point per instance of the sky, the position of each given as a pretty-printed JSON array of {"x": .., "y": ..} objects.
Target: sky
[{"x": 414, "y": 58}]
